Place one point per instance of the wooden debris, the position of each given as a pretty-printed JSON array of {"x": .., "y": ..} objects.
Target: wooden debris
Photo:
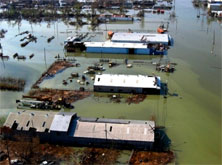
[
  {"x": 56, "y": 95},
  {"x": 135, "y": 99},
  {"x": 152, "y": 158},
  {"x": 12, "y": 84},
  {"x": 53, "y": 69}
]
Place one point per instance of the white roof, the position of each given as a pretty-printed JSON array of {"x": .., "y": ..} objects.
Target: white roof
[
  {"x": 136, "y": 81},
  {"x": 140, "y": 37},
  {"x": 61, "y": 122},
  {"x": 114, "y": 131},
  {"x": 108, "y": 44},
  {"x": 214, "y": 0}
]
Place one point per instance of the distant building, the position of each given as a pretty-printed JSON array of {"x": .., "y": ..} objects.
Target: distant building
[
  {"x": 214, "y": 5},
  {"x": 68, "y": 128},
  {"x": 127, "y": 84}
]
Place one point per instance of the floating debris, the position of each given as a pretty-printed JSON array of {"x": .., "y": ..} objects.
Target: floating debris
[
  {"x": 77, "y": 64},
  {"x": 12, "y": 84},
  {"x": 99, "y": 156},
  {"x": 52, "y": 70},
  {"x": 115, "y": 98},
  {"x": 74, "y": 74},
  {"x": 30, "y": 38},
  {"x": 31, "y": 56},
  {"x": 147, "y": 157},
  {"x": 25, "y": 32},
  {"x": 96, "y": 67},
  {"x": 65, "y": 82},
  {"x": 50, "y": 39},
  {"x": 21, "y": 57},
  {"x": 58, "y": 56},
  {"x": 56, "y": 95},
  {"x": 129, "y": 65},
  {"x": 91, "y": 71},
  {"x": 135, "y": 99},
  {"x": 34, "y": 104},
  {"x": 15, "y": 55},
  {"x": 112, "y": 64},
  {"x": 3, "y": 57},
  {"x": 104, "y": 60},
  {"x": 165, "y": 68},
  {"x": 2, "y": 33},
  {"x": 24, "y": 44}
]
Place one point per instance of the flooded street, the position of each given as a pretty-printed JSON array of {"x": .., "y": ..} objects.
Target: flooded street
[{"x": 192, "y": 119}]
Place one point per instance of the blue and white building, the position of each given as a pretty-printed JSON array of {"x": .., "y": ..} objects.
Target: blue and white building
[{"x": 132, "y": 43}]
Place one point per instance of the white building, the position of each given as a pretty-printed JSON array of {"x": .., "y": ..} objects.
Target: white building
[
  {"x": 127, "y": 84},
  {"x": 215, "y": 5}
]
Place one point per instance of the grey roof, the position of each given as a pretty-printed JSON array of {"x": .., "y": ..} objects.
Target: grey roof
[
  {"x": 62, "y": 121},
  {"x": 87, "y": 119},
  {"x": 123, "y": 130},
  {"x": 40, "y": 120},
  {"x": 116, "y": 121}
]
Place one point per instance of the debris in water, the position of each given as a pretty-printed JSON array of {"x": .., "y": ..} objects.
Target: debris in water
[
  {"x": 32, "y": 55},
  {"x": 56, "y": 95},
  {"x": 13, "y": 84},
  {"x": 15, "y": 55},
  {"x": 152, "y": 158},
  {"x": 129, "y": 65},
  {"x": 21, "y": 57},
  {"x": 2, "y": 33},
  {"x": 25, "y": 32},
  {"x": 115, "y": 98},
  {"x": 135, "y": 99},
  {"x": 50, "y": 39},
  {"x": 99, "y": 156},
  {"x": 52, "y": 70}
]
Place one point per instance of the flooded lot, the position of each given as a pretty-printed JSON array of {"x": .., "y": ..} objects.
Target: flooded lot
[{"x": 192, "y": 119}]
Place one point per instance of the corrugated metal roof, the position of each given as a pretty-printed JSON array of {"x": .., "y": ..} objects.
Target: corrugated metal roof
[
  {"x": 140, "y": 37},
  {"x": 61, "y": 121},
  {"x": 40, "y": 120},
  {"x": 132, "y": 131},
  {"x": 136, "y": 81}
]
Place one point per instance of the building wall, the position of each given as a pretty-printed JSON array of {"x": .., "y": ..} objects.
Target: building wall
[
  {"x": 80, "y": 141},
  {"x": 117, "y": 89},
  {"x": 142, "y": 51},
  {"x": 107, "y": 50}
]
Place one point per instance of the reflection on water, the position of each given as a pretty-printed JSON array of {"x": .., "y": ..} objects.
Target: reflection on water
[{"x": 189, "y": 118}]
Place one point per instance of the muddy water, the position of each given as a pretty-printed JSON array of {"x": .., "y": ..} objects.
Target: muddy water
[{"x": 192, "y": 119}]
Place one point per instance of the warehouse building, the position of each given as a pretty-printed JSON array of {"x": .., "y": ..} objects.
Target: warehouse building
[
  {"x": 127, "y": 84},
  {"x": 67, "y": 128}
]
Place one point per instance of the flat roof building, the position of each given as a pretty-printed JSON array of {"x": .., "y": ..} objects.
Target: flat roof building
[
  {"x": 115, "y": 129},
  {"x": 127, "y": 83},
  {"x": 68, "y": 128},
  {"x": 25, "y": 120},
  {"x": 141, "y": 38}
]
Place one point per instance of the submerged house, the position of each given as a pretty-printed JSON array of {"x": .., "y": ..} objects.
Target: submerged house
[
  {"x": 67, "y": 128},
  {"x": 127, "y": 84}
]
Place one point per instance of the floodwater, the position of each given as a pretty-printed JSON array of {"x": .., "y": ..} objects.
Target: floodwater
[{"x": 192, "y": 119}]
